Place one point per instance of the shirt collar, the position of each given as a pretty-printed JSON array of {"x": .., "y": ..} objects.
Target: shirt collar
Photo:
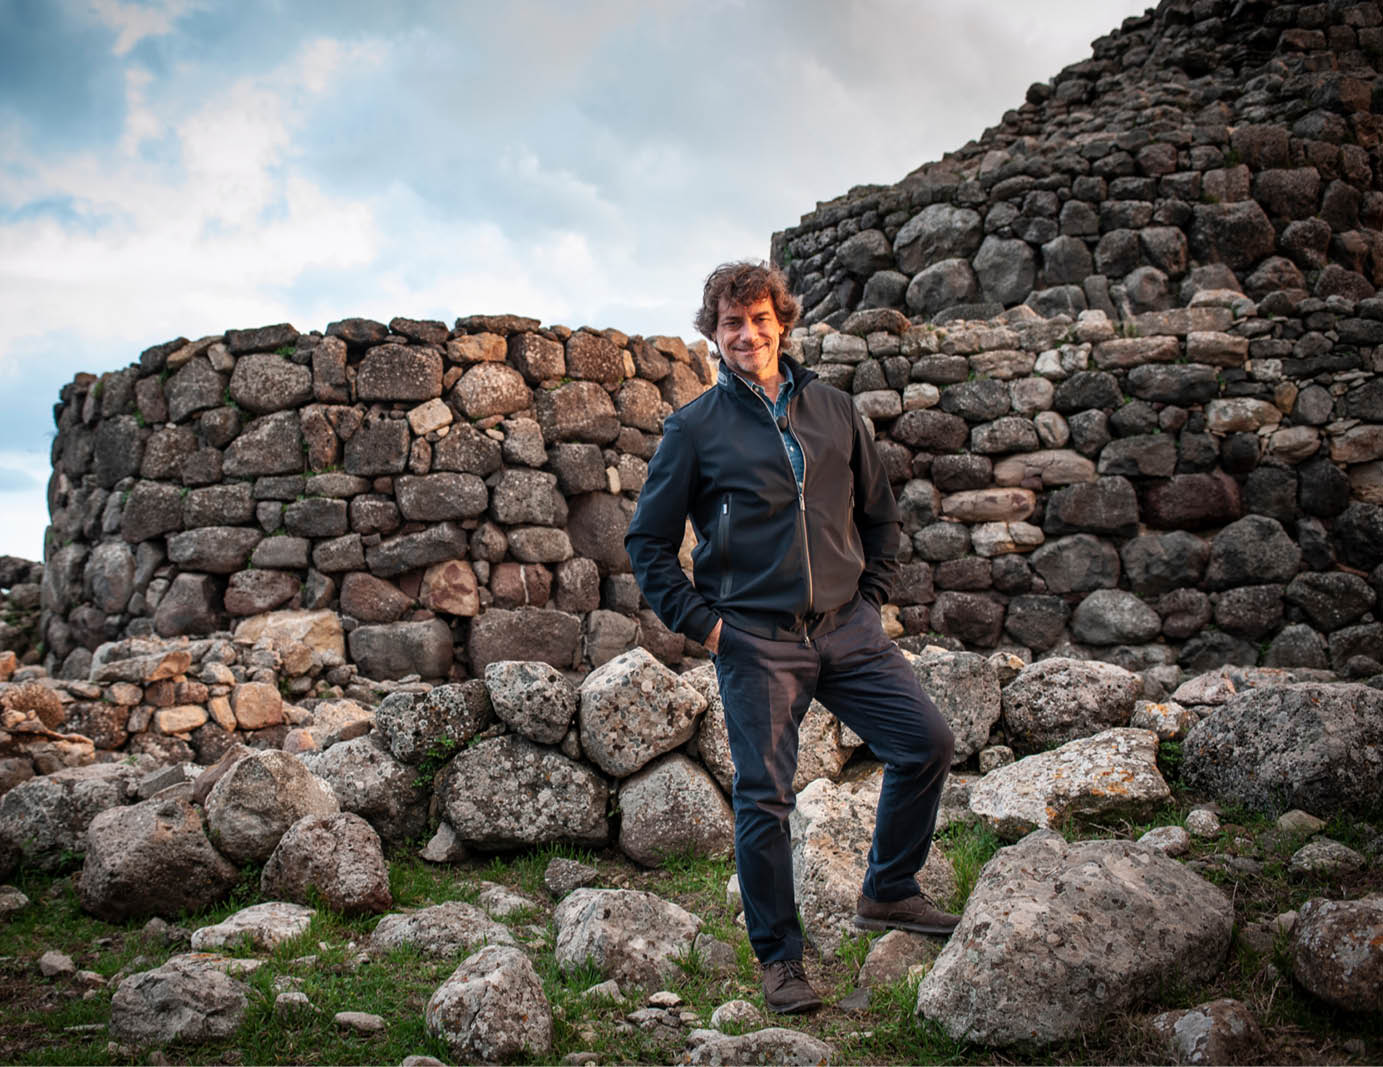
[{"x": 726, "y": 377}]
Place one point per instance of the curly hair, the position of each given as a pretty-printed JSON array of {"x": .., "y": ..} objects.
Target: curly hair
[{"x": 743, "y": 283}]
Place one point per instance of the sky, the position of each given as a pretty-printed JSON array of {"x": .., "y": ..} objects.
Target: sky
[{"x": 181, "y": 167}]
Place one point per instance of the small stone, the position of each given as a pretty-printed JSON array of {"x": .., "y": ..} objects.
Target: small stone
[
  {"x": 1169, "y": 840},
  {"x": 1203, "y": 823},
  {"x": 11, "y": 901},
  {"x": 563, "y": 875},
  {"x": 362, "y": 1022},
  {"x": 994, "y": 757},
  {"x": 1298, "y": 821},
  {"x": 1326, "y": 857},
  {"x": 608, "y": 989},
  {"x": 292, "y": 1005},
  {"x": 55, "y": 964},
  {"x": 664, "y": 998}
]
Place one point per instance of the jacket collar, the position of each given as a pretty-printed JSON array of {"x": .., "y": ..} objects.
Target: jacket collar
[{"x": 728, "y": 379}]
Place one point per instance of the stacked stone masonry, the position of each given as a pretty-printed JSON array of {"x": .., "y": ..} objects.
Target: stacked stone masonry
[{"x": 458, "y": 496}]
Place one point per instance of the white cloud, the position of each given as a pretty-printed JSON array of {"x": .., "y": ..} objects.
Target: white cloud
[{"x": 135, "y": 21}]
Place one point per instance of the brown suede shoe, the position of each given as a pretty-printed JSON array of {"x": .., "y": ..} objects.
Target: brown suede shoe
[
  {"x": 786, "y": 989},
  {"x": 916, "y": 914}
]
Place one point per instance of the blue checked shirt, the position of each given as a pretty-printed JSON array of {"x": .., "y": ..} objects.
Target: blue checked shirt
[{"x": 780, "y": 409}]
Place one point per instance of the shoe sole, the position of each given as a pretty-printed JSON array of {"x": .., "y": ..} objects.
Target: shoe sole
[
  {"x": 914, "y": 928},
  {"x": 795, "y": 1008}
]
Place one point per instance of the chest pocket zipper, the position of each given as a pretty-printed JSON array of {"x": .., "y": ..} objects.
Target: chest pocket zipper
[{"x": 723, "y": 547}]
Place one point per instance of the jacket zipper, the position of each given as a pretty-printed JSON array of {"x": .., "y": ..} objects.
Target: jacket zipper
[
  {"x": 723, "y": 544},
  {"x": 801, "y": 501}
]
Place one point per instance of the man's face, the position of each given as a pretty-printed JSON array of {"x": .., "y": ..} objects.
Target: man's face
[{"x": 749, "y": 336}]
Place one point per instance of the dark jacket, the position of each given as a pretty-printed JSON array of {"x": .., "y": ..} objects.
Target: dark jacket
[{"x": 767, "y": 560}]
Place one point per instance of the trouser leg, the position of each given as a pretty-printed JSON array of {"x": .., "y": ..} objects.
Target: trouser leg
[
  {"x": 868, "y": 685},
  {"x": 765, "y": 687}
]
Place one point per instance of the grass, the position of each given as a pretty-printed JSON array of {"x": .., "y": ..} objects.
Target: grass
[{"x": 49, "y": 1021}]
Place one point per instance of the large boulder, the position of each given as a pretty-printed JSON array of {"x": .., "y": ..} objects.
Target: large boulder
[
  {"x": 672, "y": 807},
  {"x": 634, "y": 937},
  {"x": 492, "y": 1009},
  {"x": 152, "y": 858},
  {"x": 1112, "y": 775},
  {"x": 259, "y": 798},
  {"x": 46, "y": 818},
  {"x": 531, "y": 697},
  {"x": 1057, "y": 700},
  {"x": 633, "y": 709},
  {"x": 1311, "y": 746},
  {"x": 443, "y": 931},
  {"x": 1055, "y": 939},
  {"x": 832, "y": 827},
  {"x": 415, "y": 727},
  {"x": 1336, "y": 952},
  {"x": 183, "y": 1001},
  {"x": 335, "y": 857},
  {"x": 370, "y": 782},
  {"x": 965, "y": 689},
  {"x": 507, "y": 792}
]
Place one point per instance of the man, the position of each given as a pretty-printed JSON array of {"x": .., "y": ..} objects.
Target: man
[{"x": 797, "y": 538}]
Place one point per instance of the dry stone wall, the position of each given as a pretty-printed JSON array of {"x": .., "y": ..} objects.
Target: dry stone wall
[
  {"x": 1193, "y": 487},
  {"x": 458, "y": 496},
  {"x": 1208, "y": 144}
]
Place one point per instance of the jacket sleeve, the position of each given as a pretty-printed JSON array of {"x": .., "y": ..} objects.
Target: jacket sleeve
[
  {"x": 655, "y": 535},
  {"x": 876, "y": 518}
]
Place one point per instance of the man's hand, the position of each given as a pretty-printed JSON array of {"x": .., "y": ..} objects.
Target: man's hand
[{"x": 712, "y": 641}]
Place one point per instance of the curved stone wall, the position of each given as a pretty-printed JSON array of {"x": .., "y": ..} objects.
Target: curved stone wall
[
  {"x": 459, "y": 496},
  {"x": 1211, "y": 144}
]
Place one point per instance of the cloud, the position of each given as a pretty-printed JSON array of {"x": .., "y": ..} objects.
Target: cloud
[{"x": 133, "y": 22}]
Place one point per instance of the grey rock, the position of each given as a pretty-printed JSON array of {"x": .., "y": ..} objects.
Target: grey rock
[
  {"x": 337, "y": 858},
  {"x": 633, "y": 709},
  {"x": 407, "y": 552},
  {"x": 1217, "y": 1032},
  {"x": 1326, "y": 857},
  {"x": 393, "y": 372},
  {"x": 413, "y": 726},
  {"x": 258, "y": 799},
  {"x": 152, "y": 858},
  {"x": 773, "y": 1044},
  {"x": 1006, "y": 269},
  {"x": 1043, "y": 906},
  {"x": 507, "y": 792},
  {"x": 1335, "y": 952},
  {"x": 263, "y": 382},
  {"x": 1077, "y": 564},
  {"x": 1112, "y": 775},
  {"x": 46, "y": 818},
  {"x": 181, "y": 1001},
  {"x": 1114, "y": 617},
  {"x": 368, "y": 781},
  {"x": 832, "y": 826},
  {"x": 443, "y": 931},
  {"x": 1273, "y": 748},
  {"x": 492, "y": 1009},
  {"x": 1156, "y": 563},
  {"x": 1253, "y": 550},
  {"x": 629, "y": 935},
  {"x": 271, "y": 444},
  {"x": 534, "y": 699},
  {"x": 1057, "y": 700},
  {"x": 937, "y": 232},
  {"x": 398, "y": 649},
  {"x": 261, "y": 927},
  {"x": 948, "y": 283},
  {"x": 965, "y": 688},
  {"x": 673, "y": 807}
]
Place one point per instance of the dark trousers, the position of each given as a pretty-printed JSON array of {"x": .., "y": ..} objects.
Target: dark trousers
[{"x": 766, "y": 687}]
